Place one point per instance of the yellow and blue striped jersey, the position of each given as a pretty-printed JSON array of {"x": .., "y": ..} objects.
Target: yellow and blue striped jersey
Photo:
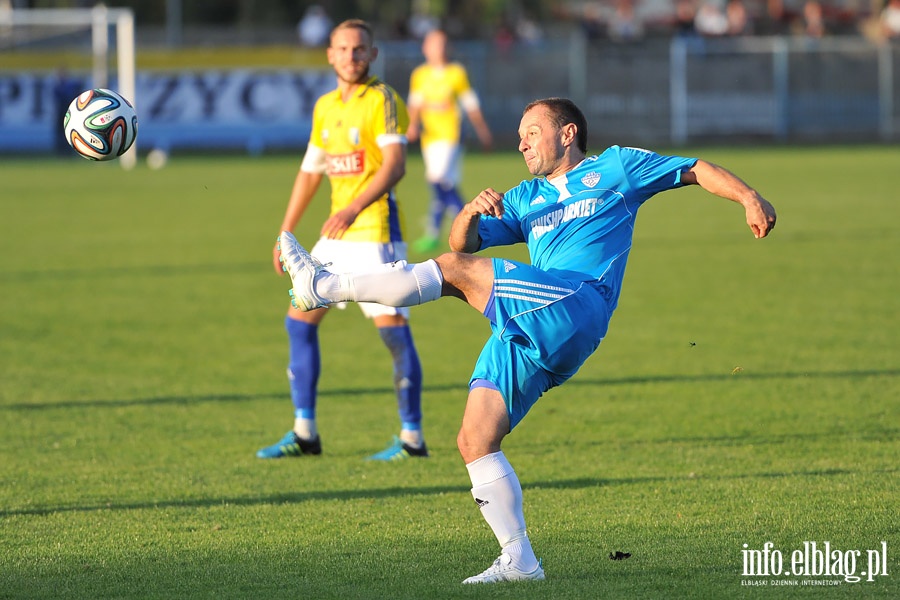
[{"x": 350, "y": 135}]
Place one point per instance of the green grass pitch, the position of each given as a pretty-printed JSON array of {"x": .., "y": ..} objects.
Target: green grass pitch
[{"x": 747, "y": 392}]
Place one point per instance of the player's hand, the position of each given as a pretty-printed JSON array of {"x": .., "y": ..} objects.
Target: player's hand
[
  {"x": 276, "y": 259},
  {"x": 760, "y": 217},
  {"x": 489, "y": 202},
  {"x": 338, "y": 223},
  {"x": 412, "y": 134}
]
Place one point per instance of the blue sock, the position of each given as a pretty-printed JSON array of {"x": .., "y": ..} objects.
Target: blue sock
[
  {"x": 304, "y": 366},
  {"x": 407, "y": 374},
  {"x": 450, "y": 198},
  {"x": 436, "y": 214}
]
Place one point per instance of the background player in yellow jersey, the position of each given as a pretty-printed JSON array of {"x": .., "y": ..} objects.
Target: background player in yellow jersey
[
  {"x": 437, "y": 89},
  {"x": 358, "y": 141}
]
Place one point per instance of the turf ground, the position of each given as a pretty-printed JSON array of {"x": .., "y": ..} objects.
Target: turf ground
[{"x": 747, "y": 392}]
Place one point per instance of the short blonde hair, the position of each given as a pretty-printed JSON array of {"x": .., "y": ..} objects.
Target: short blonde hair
[{"x": 353, "y": 24}]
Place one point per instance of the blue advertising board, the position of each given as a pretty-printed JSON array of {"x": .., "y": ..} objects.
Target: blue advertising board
[{"x": 249, "y": 109}]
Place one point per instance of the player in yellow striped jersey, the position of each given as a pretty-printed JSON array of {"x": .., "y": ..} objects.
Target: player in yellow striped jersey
[
  {"x": 437, "y": 89},
  {"x": 358, "y": 141}
]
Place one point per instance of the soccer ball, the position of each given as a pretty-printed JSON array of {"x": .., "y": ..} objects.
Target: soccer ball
[{"x": 100, "y": 124}]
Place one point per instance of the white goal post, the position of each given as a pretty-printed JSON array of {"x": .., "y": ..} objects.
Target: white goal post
[{"x": 99, "y": 19}]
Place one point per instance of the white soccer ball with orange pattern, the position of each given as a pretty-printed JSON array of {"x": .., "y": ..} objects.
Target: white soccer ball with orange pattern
[{"x": 100, "y": 124}]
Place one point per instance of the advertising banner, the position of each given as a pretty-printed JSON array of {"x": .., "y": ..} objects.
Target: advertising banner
[{"x": 241, "y": 109}]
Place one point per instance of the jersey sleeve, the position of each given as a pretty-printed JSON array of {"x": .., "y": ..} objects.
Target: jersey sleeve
[
  {"x": 650, "y": 172},
  {"x": 506, "y": 230},
  {"x": 390, "y": 115},
  {"x": 391, "y": 119},
  {"x": 467, "y": 96},
  {"x": 315, "y": 160},
  {"x": 469, "y": 100}
]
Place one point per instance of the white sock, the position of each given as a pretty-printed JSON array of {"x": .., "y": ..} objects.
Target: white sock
[
  {"x": 392, "y": 284},
  {"x": 413, "y": 437},
  {"x": 306, "y": 428},
  {"x": 498, "y": 493}
]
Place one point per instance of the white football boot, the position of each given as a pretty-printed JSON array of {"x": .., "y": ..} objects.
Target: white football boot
[
  {"x": 502, "y": 570},
  {"x": 303, "y": 270}
]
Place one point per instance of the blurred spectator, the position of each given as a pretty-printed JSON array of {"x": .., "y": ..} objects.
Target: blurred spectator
[
  {"x": 813, "y": 19},
  {"x": 625, "y": 25},
  {"x": 739, "y": 22},
  {"x": 685, "y": 13},
  {"x": 400, "y": 29},
  {"x": 592, "y": 20},
  {"x": 420, "y": 24},
  {"x": 711, "y": 20},
  {"x": 315, "y": 27},
  {"x": 890, "y": 20},
  {"x": 504, "y": 38},
  {"x": 528, "y": 31},
  {"x": 777, "y": 19}
]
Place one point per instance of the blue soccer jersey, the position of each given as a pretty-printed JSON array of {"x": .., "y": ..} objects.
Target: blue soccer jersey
[{"x": 579, "y": 226}]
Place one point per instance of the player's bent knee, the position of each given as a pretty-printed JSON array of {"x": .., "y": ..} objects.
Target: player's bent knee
[{"x": 472, "y": 446}]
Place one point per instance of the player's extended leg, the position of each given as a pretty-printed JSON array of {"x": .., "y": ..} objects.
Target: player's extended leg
[
  {"x": 304, "y": 366},
  {"x": 397, "y": 337},
  {"x": 464, "y": 276},
  {"x": 495, "y": 486}
]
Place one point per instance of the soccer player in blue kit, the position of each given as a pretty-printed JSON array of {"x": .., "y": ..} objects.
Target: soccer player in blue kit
[{"x": 577, "y": 218}]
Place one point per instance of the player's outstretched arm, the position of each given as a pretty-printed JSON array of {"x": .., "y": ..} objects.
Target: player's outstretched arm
[
  {"x": 722, "y": 182},
  {"x": 481, "y": 129},
  {"x": 464, "y": 230},
  {"x": 415, "y": 118}
]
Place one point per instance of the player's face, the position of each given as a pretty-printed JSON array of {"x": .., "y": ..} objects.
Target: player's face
[
  {"x": 434, "y": 48},
  {"x": 540, "y": 142},
  {"x": 350, "y": 53}
]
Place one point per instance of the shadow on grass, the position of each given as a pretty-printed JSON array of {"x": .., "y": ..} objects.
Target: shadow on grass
[
  {"x": 395, "y": 492},
  {"x": 74, "y": 274},
  {"x": 639, "y": 379},
  {"x": 635, "y": 380},
  {"x": 185, "y": 400}
]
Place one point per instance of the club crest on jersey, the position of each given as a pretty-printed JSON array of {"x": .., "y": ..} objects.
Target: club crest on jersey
[
  {"x": 591, "y": 179},
  {"x": 354, "y": 135}
]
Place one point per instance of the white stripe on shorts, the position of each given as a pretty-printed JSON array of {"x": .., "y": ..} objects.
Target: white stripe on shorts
[{"x": 528, "y": 291}]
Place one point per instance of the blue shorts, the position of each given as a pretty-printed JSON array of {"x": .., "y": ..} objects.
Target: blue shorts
[{"x": 544, "y": 328}]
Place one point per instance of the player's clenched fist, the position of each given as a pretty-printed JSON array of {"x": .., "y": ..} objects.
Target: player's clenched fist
[{"x": 489, "y": 202}]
